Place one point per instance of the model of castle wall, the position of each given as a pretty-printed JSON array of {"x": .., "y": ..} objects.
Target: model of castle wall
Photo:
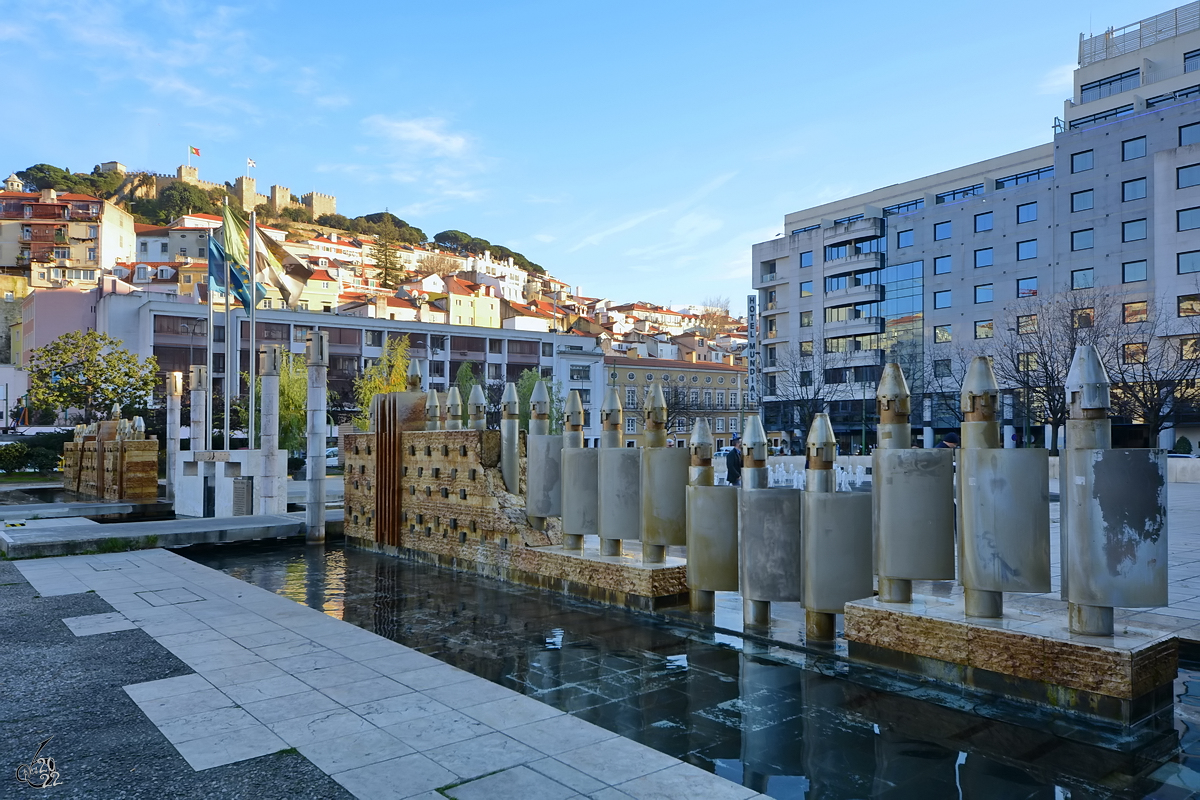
[{"x": 112, "y": 460}]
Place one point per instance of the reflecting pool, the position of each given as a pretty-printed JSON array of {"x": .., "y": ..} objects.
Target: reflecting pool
[{"x": 712, "y": 700}]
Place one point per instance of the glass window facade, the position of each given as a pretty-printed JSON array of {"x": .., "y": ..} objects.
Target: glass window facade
[
  {"x": 941, "y": 299},
  {"x": 1082, "y": 162},
  {"x": 904, "y": 239},
  {"x": 983, "y": 293},
  {"x": 941, "y": 230},
  {"x": 1083, "y": 278},
  {"x": 1026, "y": 212},
  {"x": 1113, "y": 84},
  {"x": 1187, "y": 219},
  {"x": 1188, "y": 262},
  {"x": 1133, "y": 231},
  {"x": 983, "y": 257},
  {"x": 983, "y": 222},
  {"x": 1133, "y": 271},
  {"x": 941, "y": 334},
  {"x": 1027, "y": 287},
  {"x": 1133, "y": 313},
  {"x": 1027, "y": 250},
  {"x": 1133, "y": 148},
  {"x": 1082, "y": 240},
  {"x": 941, "y": 265},
  {"x": 1082, "y": 201},
  {"x": 1133, "y": 190},
  {"x": 983, "y": 329}
]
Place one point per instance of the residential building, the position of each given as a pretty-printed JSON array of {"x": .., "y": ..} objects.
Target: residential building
[
  {"x": 692, "y": 389},
  {"x": 905, "y": 272},
  {"x": 53, "y": 238}
]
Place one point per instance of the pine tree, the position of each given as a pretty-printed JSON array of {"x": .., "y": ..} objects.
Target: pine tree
[{"x": 387, "y": 262}]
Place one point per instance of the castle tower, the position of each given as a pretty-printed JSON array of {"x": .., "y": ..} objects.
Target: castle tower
[
  {"x": 281, "y": 198},
  {"x": 244, "y": 191},
  {"x": 14, "y": 184},
  {"x": 319, "y": 204},
  {"x": 188, "y": 174}
]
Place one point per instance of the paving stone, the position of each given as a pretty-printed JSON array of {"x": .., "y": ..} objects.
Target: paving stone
[
  {"x": 518, "y": 783},
  {"x": 559, "y": 734},
  {"x": 483, "y": 754},
  {"x": 297, "y": 647},
  {"x": 397, "y": 778},
  {"x": 245, "y": 673},
  {"x": 98, "y": 623},
  {"x": 428, "y": 678},
  {"x": 181, "y": 705},
  {"x": 206, "y": 723},
  {"x": 290, "y": 706},
  {"x": 377, "y": 688},
  {"x": 337, "y": 675},
  {"x": 509, "y": 712},
  {"x": 227, "y": 748},
  {"x": 394, "y": 666},
  {"x": 355, "y": 750},
  {"x": 307, "y": 663},
  {"x": 169, "y": 597},
  {"x": 266, "y": 689},
  {"x": 371, "y": 650},
  {"x": 684, "y": 781},
  {"x": 167, "y": 687},
  {"x": 320, "y": 726},
  {"x": 469, "y": 693},
  {"x": 569, "y": 776},
  {"x": 437, "y": 730},
  {"x": 616, "y": 760},
  {"x": 401, "y": 708}
]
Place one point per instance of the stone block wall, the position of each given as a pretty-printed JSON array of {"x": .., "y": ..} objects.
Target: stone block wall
[
  {"x": 131, "y": 470},
  {"x": 359, "y": 500}
]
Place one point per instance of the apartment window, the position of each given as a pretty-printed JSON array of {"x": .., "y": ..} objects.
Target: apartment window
[
  {"x": 1188, "y": 262},
  {"x": 1133, "y": 190},
  {"x": 1189, "y": 349},
  {"x": 1133, "y": 231},
  {"x": 1082, "y": 240},
  {"x": 266, "y": 303},
  {"x": 806, "y": 319},
  {"x": 1082, "y": 201},
  {"x": 1133, "y": 352},
  {"x": 983, "y": 257},
  {"x": 1083, "y": 317},
  {"x": 1187, "y": 176},
  {"x": 806, "y": 348},
  {"x": 1133, "y": 148},
  {"x": 299, "y": 333},
  {"x": 941, "y": 265},
  {"x": 1188, "y": 219},
  {"x": 806, "y": 289},
  {"x": 1081, "y": 162},
  {"x": 1027, "y": 324},
  {"x": 941, "y": 368},
  {"x": 983, "y": 293},
  {"x": 1027, "y": 287},
  {"x": 1027, "y": 250},
  {"x": 833, "y": 252},
  {"x": 1132, "y": 313},
  {"x": 183, "y": 252},
  {"x": 631, "y": 398},
  {"x": 144, "y": 247},
  {"x": 904, "y": 239},
  {"x": 91, "y": 254},
  {"x": 941, "y": 334},
  {"x": 631, "y": 425},
  {"x": 61, "y": 253},
  {"x": 983, "y": 222},
  {"x": 1188, "y": 305},
  {"x": 1083, "y": 278},
  {"x": 162, "y": 248},
  {"x": 941, "y": 299},
  {"x": 806, "y": 258},
  {"x": 547, "y": 349},
  {"x": 1113, "y": 84},
  {"x": 1133, "y": 271},
  {"x": 983, "y": 329},
  {"x": 1026, "y": 212},
  {"x": 941, "y": 230},
  {"x": 1027, "y": 362},
  {"x": 1189, "y": 134}
]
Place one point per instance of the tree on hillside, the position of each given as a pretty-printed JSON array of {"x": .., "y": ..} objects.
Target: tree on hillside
[
  {"x": 338, "y": 221},
  {"x": 183, "y": 198},
  {"x": 439, "y": 264},
  {"x": 388, "y": 270},
  {"x": 388, "y": 374},
  {"x": 454, "y": 239},
  {"x": 296, "y": 214},
  {"x": 714, "y": 316},
  {"x": 88, "y": 372},
  {"x": 404, "y": 232},
  {"x": 98, "y": 184}
]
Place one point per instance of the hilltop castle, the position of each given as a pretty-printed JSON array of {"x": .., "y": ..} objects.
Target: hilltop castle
[{"x": 150, "y": 185}]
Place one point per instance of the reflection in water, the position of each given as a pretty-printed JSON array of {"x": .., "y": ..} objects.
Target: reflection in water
[{"x": 729, "y": 708}]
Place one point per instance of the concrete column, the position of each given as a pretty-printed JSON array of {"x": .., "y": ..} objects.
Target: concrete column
[
  {"x": 893, "y": 401},
  {"x": 539, "y": 425},
  {"x": 1009, "y": 442},
  {"x": 198, "y": 420},
  {"x": 819, "y": 477},
  {"x": 477, "y": 408},
  {"x": 755, "y": 476},
  {"x": 980, "y": 429},
  {"x": 454, "y": 409},
  {"x": 318, "y": 369},
  {"x": 510, "y": 439},
  {"x": 927, "y": 437},
  {"x": 656, "y": 437},
  {"x": 572, "y": 440},
  {"x": 270, "y": 358},
  {"x": 174, "y": 407},
  {"x": 433, "y": 411},
  {"x": 700, "y": 473},
  {"x": 612, "y": 420}
]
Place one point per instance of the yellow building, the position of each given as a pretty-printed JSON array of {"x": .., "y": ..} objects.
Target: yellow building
[
  {"x": 471, "y": 303},
  {"x": 693, "y": 389}
]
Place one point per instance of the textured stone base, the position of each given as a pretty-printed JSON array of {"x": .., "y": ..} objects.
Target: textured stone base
[
  {"x": 618, "y": 580},
  {"x": 1126, "y": 677}
]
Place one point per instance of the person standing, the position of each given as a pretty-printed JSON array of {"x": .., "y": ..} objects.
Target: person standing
[
  {"x": 733, "y": 462},
  {"x": 950, "y": 441}
]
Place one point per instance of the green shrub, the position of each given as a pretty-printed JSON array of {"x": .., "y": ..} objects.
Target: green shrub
[
  {"x": 14, "y": 457},
  {"x": 1182, "y": 445},
  {"x": 43, "y": 460}
]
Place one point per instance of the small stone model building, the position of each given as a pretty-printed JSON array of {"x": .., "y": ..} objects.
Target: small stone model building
[{"x": 112, "y": 460}]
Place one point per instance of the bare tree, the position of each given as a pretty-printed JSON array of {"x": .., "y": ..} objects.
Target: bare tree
[
  {"x": 1035, "y": 340},
  {"x": 810, "y": 379},
  {"x": 714, "y": 316},
  {"x": 439, "y": 264},
  {"x": 939, "y": 377},
  {"x": 1155, "y": 365}
]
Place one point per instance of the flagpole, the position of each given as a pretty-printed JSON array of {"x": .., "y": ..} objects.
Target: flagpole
[
  {"x": 208, "y": 363},
  {"x": 228, "y": 332},
  {"x": 252, "y": 242}
]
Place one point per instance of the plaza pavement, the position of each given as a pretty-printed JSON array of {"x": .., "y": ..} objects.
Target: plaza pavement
[{"x": 381, "y": 719}]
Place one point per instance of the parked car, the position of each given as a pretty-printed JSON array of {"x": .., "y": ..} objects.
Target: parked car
[
  {"x": 1180, "y": 455},
  {"x": 724, "y": 451}
]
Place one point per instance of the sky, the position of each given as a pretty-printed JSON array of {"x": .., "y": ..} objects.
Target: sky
[{"x": 635, "y": 150}]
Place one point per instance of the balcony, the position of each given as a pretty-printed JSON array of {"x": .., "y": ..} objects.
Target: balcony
[
  {"x": 867, "y": 292},
  {"x": 854, "y": 327},
  {"x": 852, "y": 231},
  {"x": 859, "y": 261},
  {"x": 768, "y": 277}
]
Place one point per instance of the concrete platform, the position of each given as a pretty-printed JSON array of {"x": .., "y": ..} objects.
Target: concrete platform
[
  {"x": 83, "y": 536},
  {"x": 60, "y": 510}
]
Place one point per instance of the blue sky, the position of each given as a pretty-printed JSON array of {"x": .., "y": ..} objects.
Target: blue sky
[{"x": 635, "y": 150}]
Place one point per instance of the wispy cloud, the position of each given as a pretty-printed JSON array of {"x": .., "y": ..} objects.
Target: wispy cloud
[
  {"x": 1058, "y": 81},
  {"x": 427, "y": 134}
]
